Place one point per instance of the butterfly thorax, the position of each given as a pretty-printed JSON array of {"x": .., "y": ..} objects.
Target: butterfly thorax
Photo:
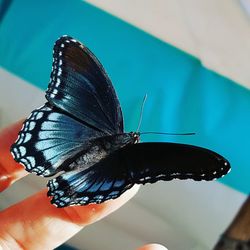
[
  {"x": 102, "y": 147},
  {"x": 115, "y": 142}
]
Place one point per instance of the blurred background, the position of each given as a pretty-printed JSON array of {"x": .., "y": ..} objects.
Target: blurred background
[{"x": 190, "y": 57}]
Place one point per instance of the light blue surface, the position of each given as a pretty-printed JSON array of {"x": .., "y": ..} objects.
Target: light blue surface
[{"x": 183, "y": 96}]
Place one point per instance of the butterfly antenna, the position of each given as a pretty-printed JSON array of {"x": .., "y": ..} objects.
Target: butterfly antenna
[
  {"x": 142, "y": 109},
  {"x": 161, "y": 133}
]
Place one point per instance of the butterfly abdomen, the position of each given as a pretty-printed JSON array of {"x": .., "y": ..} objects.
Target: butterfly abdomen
[
  {"x": 100, "y": 148},
  {"x": 89, "y": 158}
]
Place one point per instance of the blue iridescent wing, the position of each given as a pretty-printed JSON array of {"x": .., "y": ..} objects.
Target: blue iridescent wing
[
  {"x": 80, "y": 87},
  {"x": 99, "y": 183},
  {"x": 138, "y": 163},
  {"x": 49, "y": 140}
]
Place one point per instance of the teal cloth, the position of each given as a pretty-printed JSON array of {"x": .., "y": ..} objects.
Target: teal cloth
[{"x": 183, "y": 96}]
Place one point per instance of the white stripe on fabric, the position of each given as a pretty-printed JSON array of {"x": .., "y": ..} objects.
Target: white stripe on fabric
[
  {"x": 18, "y": 98},
  {"x": 217, "y": 32}
]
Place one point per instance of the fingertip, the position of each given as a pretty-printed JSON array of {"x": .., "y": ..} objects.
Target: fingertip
[
  {"x": 53, "y": 225},
  {"x": 10, "y": 171},
  {"x": 4, "y": 182},
  {"x": 152, "y": 246}
]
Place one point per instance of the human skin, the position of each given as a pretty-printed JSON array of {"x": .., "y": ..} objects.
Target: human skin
[{"x": 26, "y": 225}]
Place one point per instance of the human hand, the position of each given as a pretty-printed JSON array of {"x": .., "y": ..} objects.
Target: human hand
[{"x": 23, "y": 223}]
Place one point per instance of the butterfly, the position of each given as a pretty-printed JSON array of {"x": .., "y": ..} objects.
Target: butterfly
[{"x": 78, "y": 136}]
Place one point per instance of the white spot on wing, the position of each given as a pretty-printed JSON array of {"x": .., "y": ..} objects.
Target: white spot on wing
[
  {"x": 46, "y": 172},
  {"x": 32, "y": 161},
  {"x": 53, "y": 185},
  {"x": 54, "y": 117},
  {"x": 39, "y": 115},
  {"x": 65, "y": 199},
  {"x": 59, "y": 192},
  {"x": 26, "y": 137},
  {"x": 16, "y": 153},
  {"x": 22, "y": 150},
  {"x": 58, "y": 82},
  {"x": 32, "y": 125}
]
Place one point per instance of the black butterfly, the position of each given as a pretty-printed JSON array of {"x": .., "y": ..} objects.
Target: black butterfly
[{"x": 79, "y": 134}]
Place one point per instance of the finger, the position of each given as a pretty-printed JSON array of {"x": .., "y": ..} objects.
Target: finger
[
  {"x": 10, "y": 171},
  {"x": 152, "y": 247},
  {"x": 36, "y": 224}
]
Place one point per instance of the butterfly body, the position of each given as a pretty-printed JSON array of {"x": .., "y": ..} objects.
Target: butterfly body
[
  {"x": 78, "y": 136},
  {"x": 99, "y": 148}
]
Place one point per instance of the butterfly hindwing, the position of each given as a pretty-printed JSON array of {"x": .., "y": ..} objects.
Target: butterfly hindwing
[
  {"x": 80, "y": 87},
  {"x": 151, "y": 162},
  {"x": 48, "y": 138},
  {"x": 99, "y": 183}
]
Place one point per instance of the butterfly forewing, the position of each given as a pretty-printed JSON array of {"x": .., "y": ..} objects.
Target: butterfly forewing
[
  {"x": 80, "y": 86},
  {"x": 48, "y": 139}
]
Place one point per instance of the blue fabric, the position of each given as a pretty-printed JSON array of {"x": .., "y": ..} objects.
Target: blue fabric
[{"x": 183, "y": 96}]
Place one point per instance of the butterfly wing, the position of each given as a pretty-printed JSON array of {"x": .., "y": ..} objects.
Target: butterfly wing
[
  {"x": 49, "y": 139},
  {"x": 80, "y": 86},
  {"x": 99, "y": 183},
  {"x": 138, "y": 163},
  {"x": 151, "y": 162}
]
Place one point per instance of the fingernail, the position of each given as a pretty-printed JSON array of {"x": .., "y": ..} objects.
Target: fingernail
[{"x": 4, "y": 182}]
